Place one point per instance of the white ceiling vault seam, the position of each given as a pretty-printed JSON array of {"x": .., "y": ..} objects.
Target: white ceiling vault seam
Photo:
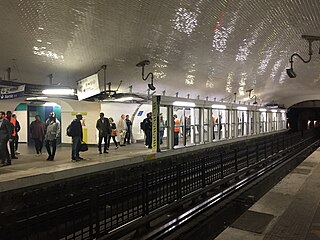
[{"x": 205, "y": 48}]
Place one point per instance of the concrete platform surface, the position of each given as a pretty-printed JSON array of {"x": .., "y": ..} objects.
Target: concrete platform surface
[
  {"x": 293, "y": 204},
  {"x": 30, "y": 169}
]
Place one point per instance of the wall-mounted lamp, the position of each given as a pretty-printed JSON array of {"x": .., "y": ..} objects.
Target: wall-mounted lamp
[
  {"x": 310, "y": 39},
  {"x": 251, "y": 97},
  {"x": 143, "y": 64}
]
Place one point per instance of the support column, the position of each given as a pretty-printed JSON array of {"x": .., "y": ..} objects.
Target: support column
[{"x": 170, "y": 126}]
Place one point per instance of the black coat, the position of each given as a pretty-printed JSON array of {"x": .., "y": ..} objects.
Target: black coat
[
  {"x": 5, "y": 130},
  {"x": 103, "y": 127},
  {"x": 76, "y": 129}
]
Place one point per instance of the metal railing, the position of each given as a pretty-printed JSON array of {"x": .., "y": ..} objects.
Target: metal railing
[{"x": 90, "y": 206}]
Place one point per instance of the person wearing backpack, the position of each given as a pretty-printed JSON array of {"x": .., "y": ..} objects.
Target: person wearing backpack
[{"x": 74, "y": 130}]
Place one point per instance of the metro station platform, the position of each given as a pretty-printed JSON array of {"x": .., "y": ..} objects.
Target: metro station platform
[
  {"x": 30, "y": 169},
  {"x": 289, "y": 211}
]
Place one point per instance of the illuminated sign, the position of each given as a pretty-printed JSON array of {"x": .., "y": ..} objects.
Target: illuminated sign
[{"x": 88, "y": 87}]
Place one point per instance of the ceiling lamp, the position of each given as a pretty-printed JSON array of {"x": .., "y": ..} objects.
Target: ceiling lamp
[
  {"x": 310, "y": 39},
  {"x": 58, "y": 91},
  {"x": 142, "y": 64},
  {"x": 183, "y": 104}
]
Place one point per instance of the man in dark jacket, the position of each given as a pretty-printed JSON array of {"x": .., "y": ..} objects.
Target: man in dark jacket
[
  {"x": 147, "y": 122},
  {"x": 5, "y": 136},
  {"x": 104, "y": 129},
  {"x": 129, "y": 130},
  {"x": 75, "y": 131},
  {"x": 37, "y": 132},
  {"x": 16, "y": 139}
]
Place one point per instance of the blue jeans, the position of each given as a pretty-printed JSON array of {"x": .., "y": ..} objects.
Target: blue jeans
[{"x": 76, "y": 141}]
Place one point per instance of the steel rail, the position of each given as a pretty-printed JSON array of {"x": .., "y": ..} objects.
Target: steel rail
[{"x": 176, "y": 223}]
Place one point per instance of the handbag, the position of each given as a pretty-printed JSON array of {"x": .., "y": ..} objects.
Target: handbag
[
  {"x": 113, "y": 132},
  {"x": 83, "y": 147}
]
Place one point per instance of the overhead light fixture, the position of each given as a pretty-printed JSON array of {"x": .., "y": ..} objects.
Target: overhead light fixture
[
  {"x": 143, "y": 64},
  {"x": 183, "y": 104},
  {"x": 310, "y": 39},
  {"x": 58, "y": 91},
  {"x": 123, "y": 99},
  {"x": 274, "y": 110},
  {"x": 283, "y": 111},
  {"x": 262, "y": 109},
  {"x": 242, "y": 108},
  {"x": 36, "y": 98},
  {"x": 216, "y": 106}
]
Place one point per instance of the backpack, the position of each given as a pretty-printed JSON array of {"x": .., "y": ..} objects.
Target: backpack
[
  {"x": 143, "y": 125},
  {"x": 69, "y": 130}
]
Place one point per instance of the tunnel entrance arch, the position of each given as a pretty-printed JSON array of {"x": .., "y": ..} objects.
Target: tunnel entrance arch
[{"x": 304, "y": 115}]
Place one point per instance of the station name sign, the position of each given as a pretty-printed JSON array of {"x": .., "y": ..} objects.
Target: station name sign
[{"x": 11, "y": 92}]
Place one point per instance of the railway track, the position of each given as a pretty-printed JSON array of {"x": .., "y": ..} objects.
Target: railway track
[
  {"x": 151, "y": 201},
  {"x": 187, "y": 224}
]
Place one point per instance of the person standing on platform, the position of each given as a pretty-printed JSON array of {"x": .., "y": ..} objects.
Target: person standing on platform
[
  {"x": 5, "y": 136},
  {"x": 188, "y": 126},
  {"x": 16, "y": 139},
  {"x": 162, "y": 127},
  {"x": 77, "y": 137},
  {"x": 52, "y": 133},
  {"x": 113, "y": 134},
  {"x": 213, "y": 125},
  {"x": 37, "y": 132},
  {"x": 104, "y": 129},
  {"x": 148, "y": 129},
  {"x": 129, "y": 130},
  {"x": 176, "y": 130},
  {"x": 122, "y": 130},
  {"x": 13, "y": 135}
]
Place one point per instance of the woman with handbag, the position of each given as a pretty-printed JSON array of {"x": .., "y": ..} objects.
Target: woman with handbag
[{"x": 113, "y": 133}]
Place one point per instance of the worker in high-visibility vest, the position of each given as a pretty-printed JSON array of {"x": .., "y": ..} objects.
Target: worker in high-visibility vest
[
  {"x": 13, "y": 122},
  {"x": 176, "y": 130}
]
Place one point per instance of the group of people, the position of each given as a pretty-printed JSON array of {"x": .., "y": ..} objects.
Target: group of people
[
  {"x": 45, "y": 133},
  {"x": 120, "y": 133},
  {"x": 9, "y": 128}
]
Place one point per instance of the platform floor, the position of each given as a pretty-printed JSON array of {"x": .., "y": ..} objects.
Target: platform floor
[
  {"x": 289, "y": 211},
  {"x": 30, "y": 169},
  {"x": 29, "y": 165}
]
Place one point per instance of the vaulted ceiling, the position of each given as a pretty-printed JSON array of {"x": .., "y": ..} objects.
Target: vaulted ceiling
[{"x": 205, "y": 47}]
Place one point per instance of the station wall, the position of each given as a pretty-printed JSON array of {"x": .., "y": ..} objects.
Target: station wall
[
  {"x": 90, "y": 111},
  {"x": 136, "y": 112}
]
